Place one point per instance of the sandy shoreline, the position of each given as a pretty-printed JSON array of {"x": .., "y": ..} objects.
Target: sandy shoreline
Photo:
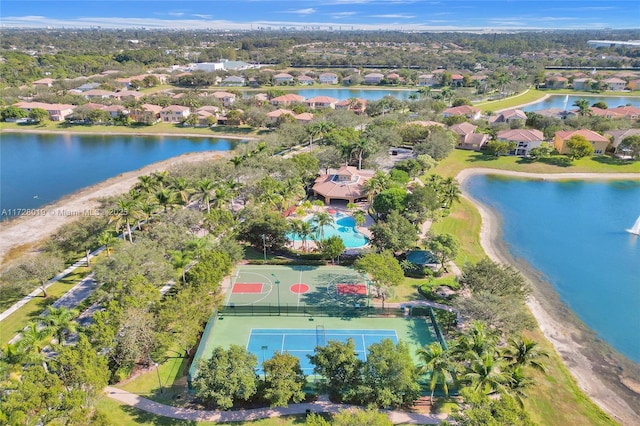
[
  {"x": 607, "y": 378},
  {"x": 29, "y": 230},
  {"x": 93, "y": 133}
]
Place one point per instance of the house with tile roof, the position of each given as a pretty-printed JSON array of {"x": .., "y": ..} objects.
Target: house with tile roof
[
  {"x": 617, "y": 136},
  {"x": 615, "y": 84},
  {"x": 174, "y": 113},
  {"x": 525, "y": 139},
  {"x": 286, "y": 100},
  {"x": 373, "y": 78},
  {"x": 44, "y": 82},
  {"x": 318, "y": 102},
  {"x": 598, "y": 141},
  {"x": 427, "y": 80},
  {"x": 346, "y": 183},
  {"x": 283, "y": 78},
  {"x": 226, "y": 98},
  {"x": 233, "y": 80},
  {"x": 275, "y": 115},
  {"x": 328, "y": 78},
  {"x": 57, "y": 112},
  {"x": 357, "y": 105},
  {"x": 511, "y": 115},
  {"x": 468, "y": 111},
  {"x": 146, "y": 113},
  {"x": 305, "y": 80}
]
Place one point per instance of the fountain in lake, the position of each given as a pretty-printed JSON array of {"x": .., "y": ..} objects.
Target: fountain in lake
[
  {"x": 566, "y": 101},
  {"x": 635, "y": 229}
]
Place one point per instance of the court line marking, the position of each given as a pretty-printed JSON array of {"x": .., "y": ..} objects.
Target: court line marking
[{"x": 268, "y": 282}]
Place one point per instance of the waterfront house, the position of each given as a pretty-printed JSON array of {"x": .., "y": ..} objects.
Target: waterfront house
[
  {"x": 511, "y": 115},
  {"x": 275, "y": 115},
  {"x": 470, "y": 112},
  {"x": 283, "y": 78},
  {"x": 556, "y": 82},
  {"x": 318, "y": 102},
  {"x": 628, "y": 111},
  {"x": 305, "y": 80},
  {"x": 57, "y": 112},
  {"x": 115, "y": 110},
  {"x": 146, "y": 113},
  {"x": 226, "y": 98},
  {"x": 304, "y": 118},
  {"x": 328, "y": 78},
  {"x": 615, "y": 84},
  {"x": 617, "y": 136},
  {"x": 598, "y": 141},
  {"x": 427, "y": 80},
  {"x": 174, "y": 113},
  {"x": 286, "y": 100},
  {"x": 467, "y": 137},
  {"x": 233, "y": 80},
  {"x": 357, "y": 105},
  {"x": 346, "y": 183},
  {"x": 583, "y": 84},
  {"x": 525, "y": 139},
  {"x": 373, "y": 78}
]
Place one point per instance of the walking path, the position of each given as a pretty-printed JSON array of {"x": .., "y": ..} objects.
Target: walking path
[
  {"x": 321, "y": 406},
  {"x": 38, "y": 291}
]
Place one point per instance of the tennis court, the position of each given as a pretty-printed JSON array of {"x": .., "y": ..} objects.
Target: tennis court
[
  {"x": 297, "y": 286},
  {"x": 265, "y": 342}
]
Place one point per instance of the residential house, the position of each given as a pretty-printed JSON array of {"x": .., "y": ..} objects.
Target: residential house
[
  {"x": 44, "y": 82},
  {"x": 318, "y": 102},
  {"x": 468, "y": 138},
  {"x": 511, "y": 115},
  {"x": 226, "y": 98},
  {"x": 128, "y": 95},
  {"x": 606, "y": 113},
  {"x": 357, "y": 105},
  {"x": 615, "y": 84},
  {"x": 373, "y": 78},
  {"x": 328, "y": 78},
  {"x": 304, "y": 118},
  {"x": 617, "y": 136},
  {"x": 395, "y": 78},
  {"x": 525, "y": 139},
  {"x": 115, "y": 110},
  {"x": 146, "y": 113},
  {"x": 628, "y": 111},
  {"x": 556, "y": 82},
  {"x": 286, "y": 100},
  {"x": 463, "y": 129},
  {"x": 127, "y": 82},
  {"x": 468, "y": 111},
  {"x": 283, "y": 78},
  {"x": 98, "y": 94},
  {"x": 210, "y": 109},
  {"x": 346, "y": 183},
  {"x": 634, "y": 84},
  {"x": 457, "y": 79},
  {"x": 205, "y": 118},
  {"x": 274, "y": 116},
  {"x": 233, "y": 80},
  {"x": 57, "y": 112},
  {"x": 305, "y": 80},
  {"x": 583, "y": 83},
  {"x": 427, "y": 80},
  {"x": 174, "y": 113},
  {"x": 598, "y": 141},
  {"x": 556, "y": 113}
]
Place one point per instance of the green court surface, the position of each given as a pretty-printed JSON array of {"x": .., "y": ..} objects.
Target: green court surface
[
  {"x": 242, "y": 330},
  {"x": 300, "y": 285}
]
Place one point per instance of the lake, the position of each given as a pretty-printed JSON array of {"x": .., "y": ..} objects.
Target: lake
[
  {"x": 38, "y": 169},
  {"x": 343, "y": 93},
  {"x": 566, "y": 102},
  {"x": 574, "y": 232}
]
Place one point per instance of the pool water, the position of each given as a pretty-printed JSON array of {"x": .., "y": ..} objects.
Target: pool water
[
  {"x": 421, "y": 257},
  {"x": 344, "y": 227}
]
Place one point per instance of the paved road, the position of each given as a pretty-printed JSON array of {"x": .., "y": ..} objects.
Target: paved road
[{"x": 149, "y": 406}]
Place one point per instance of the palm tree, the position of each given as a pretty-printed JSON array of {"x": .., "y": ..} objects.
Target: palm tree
[
  {"x": 182, "y": 188},
  {"x": 583, "y": 107},
  {"x": 305, "y": 232},
  {"x": 295, "y": 225},
  {"x": 438, "y": 363},
  {"x": 360, "y": 217},
  {"x": 166, "y": 197},
  {"x": 161, "y": 178},
  {"x": 524, "y": 352},
  {"x": 362, "y": 146},
  {"x": 107, "y": 239},
  {"x": 60, "y": 322},
  {"x": 180, "y": 260},
  {"x": 313, "y": 130},
  {"x": 146, "y": 184},
  {"x": 487, "y": 374},
  {"x": 322, "y": 219},
  {"x": 475, "y": 342},
  {"x": 378, "y": 183},
  {"x": 35, "y": 337},
  {"x": 203, "y": 193},
  {"x": 127, "y": 209},
  {"x": 518, "y": 382},
  {"x": 450, "y": 191}
]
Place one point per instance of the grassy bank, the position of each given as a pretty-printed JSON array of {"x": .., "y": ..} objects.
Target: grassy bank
[
  {"x": 241, "y": 132},
  {"x": 459, "y": 160},
  {"x": 531, "y": 95},
  {"x": 464, "y": 224}
]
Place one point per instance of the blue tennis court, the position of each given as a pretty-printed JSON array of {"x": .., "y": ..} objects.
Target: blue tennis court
[{"x": 300, "y": 342}]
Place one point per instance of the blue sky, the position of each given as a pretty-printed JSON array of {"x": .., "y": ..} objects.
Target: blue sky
[{"x": 338, "y": 14}]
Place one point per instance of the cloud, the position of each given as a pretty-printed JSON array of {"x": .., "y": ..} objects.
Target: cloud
[
  {"x": 198, "y": 15},
  {"x": 341, "y": 15},
  {"x": 307, "y": 11},
  {"x": 393, "y": 16},
  {"x": 175, "y": 13}
]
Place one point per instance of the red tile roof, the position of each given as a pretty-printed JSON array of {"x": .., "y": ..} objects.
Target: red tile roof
[{"x": 588, "y": 135}]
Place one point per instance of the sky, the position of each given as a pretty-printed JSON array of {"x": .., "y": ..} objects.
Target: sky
[{"x": 328, "y": 14}]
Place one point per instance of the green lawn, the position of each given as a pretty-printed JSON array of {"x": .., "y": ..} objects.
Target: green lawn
[
  {"x": 464, "y": 224},
  {"x": 460, "y": 159},
  {"x": 530, "y": 95},
  {"x": 15, "y": 322}
]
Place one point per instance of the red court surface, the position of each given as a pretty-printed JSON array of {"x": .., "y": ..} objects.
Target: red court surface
[
  {"x": 247, "y": 288},
  {"x": 299, "y": 288},
  {"x": 352, "y": 289}
]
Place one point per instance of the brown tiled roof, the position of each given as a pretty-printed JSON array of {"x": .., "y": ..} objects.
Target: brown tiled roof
[
  {"x": 588, "y": 135},
  {"x": 521, "y": 135},
  {"x": 463, "y": 129}
]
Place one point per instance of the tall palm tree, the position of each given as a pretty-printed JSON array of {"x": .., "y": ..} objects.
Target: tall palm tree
[
  {"x": 60, "y": 322},
  {"x": 295, "y": 225},
  {"x": 518, "y": 382},
  {"x": 439, "y": 364},
  {"x": 524, "y": 352},
  {"x": 487, "y": 374},
  {"x": 126, "y": 211},
  {"x": 361, "y": 147},
  {"x": 305, "y": 232},
  {"x": 107, "y": 239},
  {"x": 360, "y": 217},
  {"x": 182, "y": 188},
  {"x": 203, "y": 192},
  {"x": 378, "y": 183},
  {"x": 35, "y": 337},
  {"x": 322, "y": 219},
  {"x": 166, "y": 197},
  {"x": 146, "y": 184},
  {"x": 313, "y": 130},
  {"x": 161, "y": 178},
  {"x": 583, "y": 107},
  {"x": 450, "y": 191},
  {"x": 475, "y": 342}
]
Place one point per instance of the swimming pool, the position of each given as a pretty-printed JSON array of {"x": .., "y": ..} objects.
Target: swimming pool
[{"x": 344, "y": 227}]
